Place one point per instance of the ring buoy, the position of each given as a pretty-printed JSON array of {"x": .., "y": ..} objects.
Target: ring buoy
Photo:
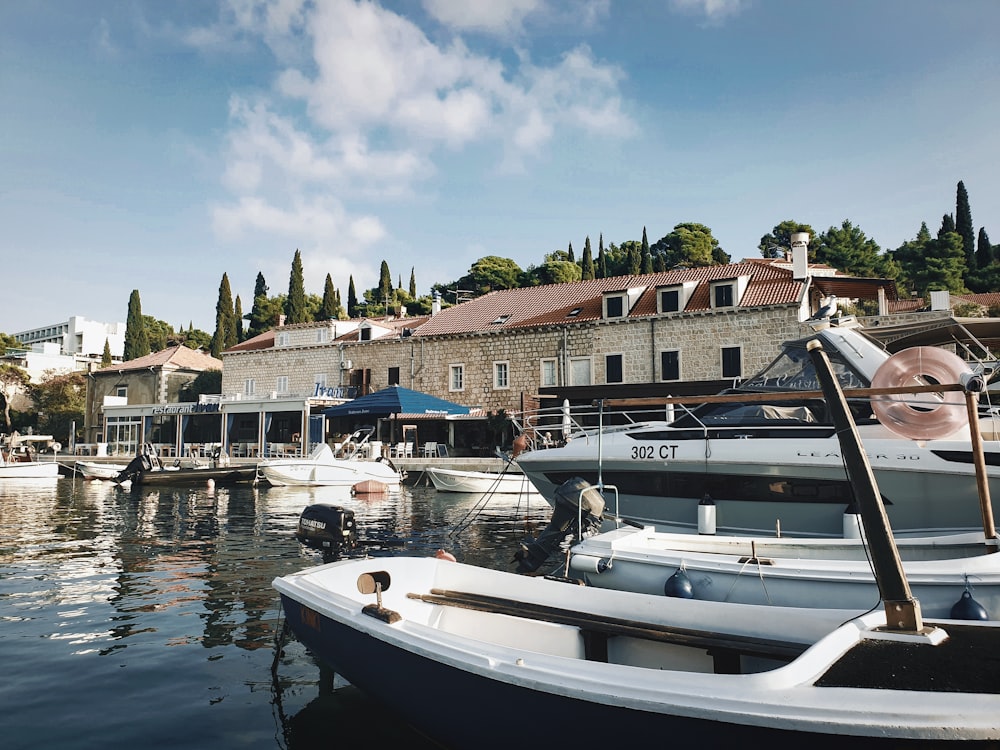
[
  {"x": 924, "y": 416},
  {"x": 56, "y": 447}
]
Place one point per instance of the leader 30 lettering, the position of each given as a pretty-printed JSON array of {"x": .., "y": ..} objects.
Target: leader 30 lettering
[{"x": 649, "y": 452}]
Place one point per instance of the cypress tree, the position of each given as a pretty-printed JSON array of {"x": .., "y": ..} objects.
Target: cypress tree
[
  {"x": 136, "y": 338},
  {"x": 647, "y": 259},
  {"x": 947, "y": 225},
  {"x": 328, "y": 309},
  {"x": 257, "y": 323},
  {"x": 295, "y": 303},
  {"x": 602, "y": 259},
  {"x": 569, "y": 254},
  {"x": 413, "y": 284},
  {"x": 106, "y": 356},
  {"x": 588, "y": 261},
  {"x": 238, "y": 320},
  {"x": 385, "y": 285},
  {"x": 225, "y": 324},
  {"x": 984, "y": 252},
  {"x": 963, "y": 225},
  {"x": 352, "y": 300}
]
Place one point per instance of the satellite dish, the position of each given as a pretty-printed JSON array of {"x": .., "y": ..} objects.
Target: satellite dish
[{"x": 921, "y": 416}]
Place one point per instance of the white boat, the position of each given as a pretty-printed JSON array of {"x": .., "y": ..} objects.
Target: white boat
[
  {"x": 18, "y": 458},
  {"x": 947, "y": 572},
  {"x": 479, "y": 482},
  {"x": 462, "y": 651},
  {"x": 322, "y": 468},
  {"x": 97, "y": 470},
  {"x": 770, "y": 461}
]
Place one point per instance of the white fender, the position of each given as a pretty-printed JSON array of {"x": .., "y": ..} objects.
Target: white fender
[{"x": 921, "y": 416}]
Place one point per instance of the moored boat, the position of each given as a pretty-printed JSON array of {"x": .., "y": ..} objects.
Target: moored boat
[
  {"x": 96, "y": 470},
  {"x": 479, "y": 482},
  {"x": 322, "y": 468},
  {"x": 18, "y": 458}
]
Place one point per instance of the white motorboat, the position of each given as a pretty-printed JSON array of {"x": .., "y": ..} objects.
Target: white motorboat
[
  {"x": 98, "y": 470},
  {"x": 767, "y": 456},
  {"x": 18, "y": 458},
  {"x": 479, "y": 482},
  {"x": 322, "y": 468}
]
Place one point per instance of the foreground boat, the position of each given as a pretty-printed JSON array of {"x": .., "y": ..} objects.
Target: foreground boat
[
  {"x": 146, "y": 469},
  {"x": 479, "y": 482},
  {"x": 18, "y": 458},
  {"x": 766, "y": 453},
  {"x": 461, "y": 651},
  {"x": 322, "y": 468}
]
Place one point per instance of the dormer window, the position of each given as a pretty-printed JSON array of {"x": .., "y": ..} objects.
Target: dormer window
[
  {"x": 614, "y": 306},
  {"x": 500, "y": 320},
  {"x": 670, "y": 300},
  {"x": 722, "y": 295},
  {"x": 282, "y": 339},
  {"x": 674, "y": 298},
  {"x": 365, "y": 333},
  {"x": 728, "y": 292}
]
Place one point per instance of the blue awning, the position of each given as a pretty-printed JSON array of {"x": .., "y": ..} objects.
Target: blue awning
[{"x": 396, "y": 400}]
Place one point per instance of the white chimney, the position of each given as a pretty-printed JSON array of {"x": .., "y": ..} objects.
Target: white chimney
[
  {"x": 800, "y": 255},
  {"x": 436, "y": 303}
]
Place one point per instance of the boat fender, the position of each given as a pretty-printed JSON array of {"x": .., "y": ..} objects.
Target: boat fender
[
  {"x": 519, "y": 446},
  {"x": 706, "y": 515},
  {"x": 967, "y": 608},
  {"x": 679, "y": 586},
  {"x": 926, "y": 416},
  {"x": 852, "y": 523}
]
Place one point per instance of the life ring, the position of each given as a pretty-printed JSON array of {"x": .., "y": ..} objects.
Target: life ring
[
  {"x": 56, "y": 447},
  {"x": 924, "y": 416}
]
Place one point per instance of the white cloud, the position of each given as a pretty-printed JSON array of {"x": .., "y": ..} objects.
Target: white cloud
[
  {"x": 713, "y": 10},
  {"x": 495, "y": 17}
]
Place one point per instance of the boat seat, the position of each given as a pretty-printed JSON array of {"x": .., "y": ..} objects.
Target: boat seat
[{"x": 726, "y": 649}]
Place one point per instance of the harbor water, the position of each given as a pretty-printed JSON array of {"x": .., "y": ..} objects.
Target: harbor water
[{"x": 146, "y": 617}]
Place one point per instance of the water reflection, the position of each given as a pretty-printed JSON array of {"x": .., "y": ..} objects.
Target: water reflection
[{"x": 158, "y": 602}]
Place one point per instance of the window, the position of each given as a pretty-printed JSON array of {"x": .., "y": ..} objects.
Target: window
[
  {"x": 456, "y": 378},
  {"x": 579, "y": 371},
  {"x": 723, "y": 295},
  {"x": 574, "y": 312},
  {"x": 731, "y": 362},
  {"x": 366, "y": 333},
  {"x": 121, "y": 391},
  {"x": 614, "y": 307},
  {"x": 501, "y": 375},
  {"x": 670, "y": 365},
  {"x": 548, "y": 373},
  {"x": 281, "y": 339},
  {"x": 249, "y": 387},
  {"x": 320, "y": 379},
  {"x": 322, "y": 335},
  {"x": 670, "y": 300},
  {"x": 613, "y": 368},
  {"x": 281, "y": 384},
  {"x": 393, "y": 377},
  {"x": 501, "y": 320}
]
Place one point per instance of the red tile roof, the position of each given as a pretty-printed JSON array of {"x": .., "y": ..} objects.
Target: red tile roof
[{"x": 180, "y": 357}]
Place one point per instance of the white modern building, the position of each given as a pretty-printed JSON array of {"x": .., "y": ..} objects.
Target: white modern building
[{"x": 78, "y": 336}]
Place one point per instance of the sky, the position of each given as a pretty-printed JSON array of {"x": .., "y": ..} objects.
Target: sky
[{"x": 157, "y": 145}]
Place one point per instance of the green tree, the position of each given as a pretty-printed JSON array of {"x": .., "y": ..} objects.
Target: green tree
[
  {"x": 848, "y": 249},
  {"x": 602, "y": 260},
  {"x": 690, "y": 245},
  {"x": 8, "y": 342},
  {"x": 225, "y": 319},
  {"x": 238, "y": 320},
  {"x": 258, "y": 319},
  {"x": 328, "y": 307},
  {"x": 943, "y": 265},
  {"x": 948, "y": 226},
  {"x": 489, "y": 274},
  {"x": 136, "y": 338},
  {"x": 352, "y": 300},
  {"x": 60, "y": 400},
  {"x": 909, "y": 257},
  {"x": 634, "y": 250},
  {"x": 295, "y": 302},
  {"x": 384, "y": 284},
  {"x": 569, "y": 254},
  {"x": 13, "y": 380},
  {"x": 587, "y": 263},
  {"x": 963, "y": 225},
  {"x": 195, "y": 338},
  {"x": 778, "y": 241},
  {"x": 106, "y": 355},
  {"x": 158, "y": 332},
  {"x": 647, "y": 259},
  {"x": 413, "y": 283},
  {"x": 984, "y": 251},
  {"x": 206, "y": 383},
  {"x": 553, "y": 272}
]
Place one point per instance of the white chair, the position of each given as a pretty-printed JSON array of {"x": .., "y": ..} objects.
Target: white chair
[
  {"x": 398, "y": 450},
  {"x": 429, "y": 449}
]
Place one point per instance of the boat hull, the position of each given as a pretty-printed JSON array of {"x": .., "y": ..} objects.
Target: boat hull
[
  {"x": 343, "y": 473},
  {"x": 190, "y": 477},
  {"x": 30, "y": 470},
  {"x": 92, "y": 470},
  {"x": 479, "y": 482},
  {"x": 466, "y": 678}
]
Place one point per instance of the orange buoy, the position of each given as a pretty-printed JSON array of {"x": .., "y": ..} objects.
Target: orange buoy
[
  {"x": 444, "y": 555},
  {"x": 519, "y": 446},
  {"x": 370, "y": 487}
]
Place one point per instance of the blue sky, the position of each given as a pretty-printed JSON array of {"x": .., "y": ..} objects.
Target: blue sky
[{"x": 157, "y": 145}]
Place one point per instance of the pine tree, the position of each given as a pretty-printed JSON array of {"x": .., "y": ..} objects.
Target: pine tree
[
  {"x": 238, "y": 321},
  {"x": 647, "y": 259},
  {"x": 225, "y": 323},
  {"x": 413, "y": 284},
  {"x": 257, "y": 322},
  {"x": 328, "y": 309},
  {"x": 136, "y": 338},
  {"x": 295, "y": 303},
  {"x": 963, "y": 225},
  {"x": 352, "y": 300},
  {"x": 588, "y": 261},
  {"x": 602, "y": 259},
  {"x": 106, "y": 356},
  {"x": 947, "y": 225}
]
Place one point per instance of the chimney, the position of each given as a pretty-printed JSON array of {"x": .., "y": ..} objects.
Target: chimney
[
  {"x": 800, "y": 255},
  {"x": 281, "y": 320},
  {"x": 436, "y": 303}
]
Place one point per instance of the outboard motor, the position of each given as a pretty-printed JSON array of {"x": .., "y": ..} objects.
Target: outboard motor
[
  {"x": 328, "y": 528},
  {"x": 145, "y": 460},
  {"x": 577, "y": 512}
]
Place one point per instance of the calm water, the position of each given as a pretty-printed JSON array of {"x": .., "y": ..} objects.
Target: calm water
[{"x": 147, "y": 618}]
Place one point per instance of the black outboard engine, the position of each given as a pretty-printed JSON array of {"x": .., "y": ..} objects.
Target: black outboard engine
[
  {"x": 576, "y": 513},
  {"x": 145, "y": 460},
  {"x": 328, "y": 528}
]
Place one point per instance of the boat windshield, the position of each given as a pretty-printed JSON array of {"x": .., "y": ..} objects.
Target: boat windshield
[{"x": 793, "y": 371}]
